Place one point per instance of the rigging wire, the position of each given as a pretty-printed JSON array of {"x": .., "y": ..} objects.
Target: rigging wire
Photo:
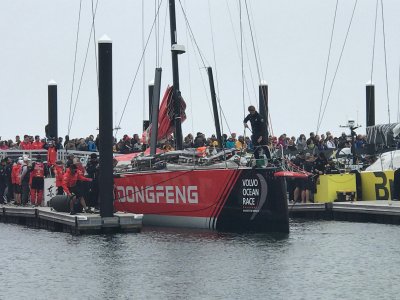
[
  {"x": 83, "y": 69},
  {"x": 216, "y": 70},
  {"x": 156, "y": 30},
  {"x": 241, "y": 56},
  {"x": 238, "y": 53},
  {"x": 223, "y": 114},
  {"x": 163, "y": 39},
  {"x": 327, "y": 65},
  {"x": 204, "y": 61},
  {"x": 398, "y": 100},
  {"x": 196, "y": 46},
  {"x": 213, "y": 45},
  {"x": 374, "y": 42},
  {"x": 258, "y": 64},
  {"x": 189, "y": 75},
  {"x": 95, "y": 48},
  {"x": 144, "y": 69},
  {"x": 73, "y": 73},
  {"x": 253, "y": 43},
  {"x": 386, "y": 67},
  {"x": 256, "y": 39},
  {"x": 201, "y": 74},
  {"x": 246, "y": 51},
  {"x": 138, "y": 68},
  {"x": 338, "y": 64}
]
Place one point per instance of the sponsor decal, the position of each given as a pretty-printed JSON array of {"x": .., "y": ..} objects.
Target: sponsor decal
[
  {"x": 165, "y": 194},
  {"x": 377, "y": 185},
  {"x": 250, "y": 191},
  {"x": 50, "y": 189}
]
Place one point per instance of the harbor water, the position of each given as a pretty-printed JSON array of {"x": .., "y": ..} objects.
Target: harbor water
[{"x": 317, "y": 260}]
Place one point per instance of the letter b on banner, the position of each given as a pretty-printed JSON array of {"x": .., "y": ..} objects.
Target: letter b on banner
[
  {"x": 376, "y": 185},
  {"x": 381, "y": 191}
]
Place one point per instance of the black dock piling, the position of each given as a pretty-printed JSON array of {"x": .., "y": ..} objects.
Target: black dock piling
[
  {"x": 52, "y": 126},
  {"x": 155, "y": 110},
  {"x": 106, "y": 181},
  {"x": 370, "y": 104},
  {"x": 215, "y": 106},
  {"x": 151, "y": 90},
  {"x": 263, "y": 102}
]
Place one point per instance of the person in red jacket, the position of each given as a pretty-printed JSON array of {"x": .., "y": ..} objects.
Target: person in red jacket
[
  {"x": 51, "y": 154},
  {"x": 59, "y": 172},
  {"x": 72, "y": 187},
  {"x": 25, "y": 144},
  {"x": 37, "y": 182},
  {"x": 37, "y": 144},
  {"x": 16, "y": 181}
]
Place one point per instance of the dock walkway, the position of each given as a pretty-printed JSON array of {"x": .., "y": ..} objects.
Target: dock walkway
[
  {"x": 386, "y": 212},
  {"x": 83, "y": 223}
]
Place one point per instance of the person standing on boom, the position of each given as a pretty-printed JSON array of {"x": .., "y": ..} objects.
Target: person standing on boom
[{"x": 259, "y": 130}]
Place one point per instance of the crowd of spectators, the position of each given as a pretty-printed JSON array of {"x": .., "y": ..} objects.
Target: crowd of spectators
[
  {"x": 300, "y": 190},
  {"x": 129, "y": 144},
  {"x": 30, "y": 142}
]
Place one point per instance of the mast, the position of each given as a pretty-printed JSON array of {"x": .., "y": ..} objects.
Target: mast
[
  {"x": 52, "y": 127},
  {"x": 215, "y": 107},
  {"x": 176, "y": 94}
]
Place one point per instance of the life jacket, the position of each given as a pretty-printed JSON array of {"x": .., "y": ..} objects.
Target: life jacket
[
  {"x": 38, "y": 170},
  {"x": 201, "y": 151}
]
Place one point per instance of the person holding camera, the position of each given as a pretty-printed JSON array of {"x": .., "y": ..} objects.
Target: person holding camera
[{"x": 73, "y": 188}]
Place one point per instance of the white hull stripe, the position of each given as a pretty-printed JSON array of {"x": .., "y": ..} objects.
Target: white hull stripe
[{"x": 177, "y": 221}]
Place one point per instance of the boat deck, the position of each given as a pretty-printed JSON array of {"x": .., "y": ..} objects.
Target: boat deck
[
  {"x": 382, "y": 211},
  {"x": 83, "y": 223}
]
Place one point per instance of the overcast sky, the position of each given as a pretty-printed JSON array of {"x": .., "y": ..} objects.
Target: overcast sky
[{"x": 292, "y": 37}]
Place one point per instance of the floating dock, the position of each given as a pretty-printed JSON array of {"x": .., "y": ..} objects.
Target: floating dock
[
  {"x": 382, "y": 211},
  {"x": 83, "y": 223}
]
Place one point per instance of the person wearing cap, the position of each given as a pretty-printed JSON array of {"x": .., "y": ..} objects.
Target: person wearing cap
[
  {"x": 72, "y": 187},
  {"x": 259, "y": 132},
  {"x": 24, "y": 178}
]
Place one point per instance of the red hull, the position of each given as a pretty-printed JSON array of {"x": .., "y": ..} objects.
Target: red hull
[{"x": 226, "y": 199}]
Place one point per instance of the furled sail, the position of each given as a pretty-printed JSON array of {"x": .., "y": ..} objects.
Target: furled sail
[{"x": 166, "y": 116}]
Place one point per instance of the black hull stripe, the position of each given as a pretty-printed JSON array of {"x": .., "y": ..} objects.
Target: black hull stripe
[{"x": 225, "y": 196}]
